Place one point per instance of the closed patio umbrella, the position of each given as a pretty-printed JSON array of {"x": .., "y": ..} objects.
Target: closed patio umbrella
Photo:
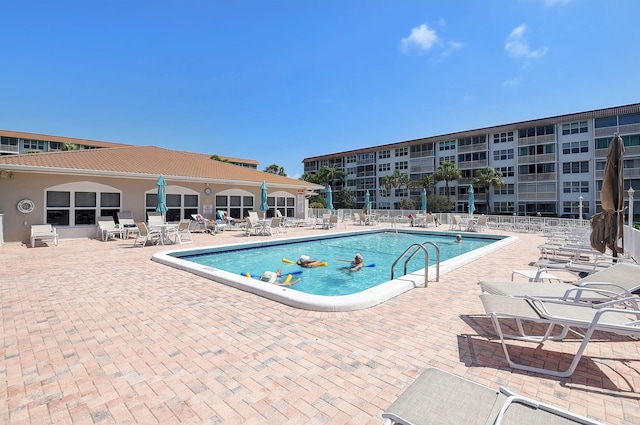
[
  {"x": 607, "y": 226},
  {"x": 367, "y": 202},
  {"x": 264, "y": 206},
  {"x": 162, "y": 196},
  {"x": 472, "y": 206},
  {"x": 329, "y": 198},
  {"x": 424, "y": 199}
]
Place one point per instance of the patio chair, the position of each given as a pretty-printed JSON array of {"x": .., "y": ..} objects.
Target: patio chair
[
  {"x": 126, "y": 223},
  {"x": 479, "y": 225},
  {"x": 181, "y": 234},
  {"x": 437, "y": 397},
  {"x": 107, "y": 228},
  {"x": 456, "y": 223},
  {"x": 43, "y": 232},
  {"x": 145, "y": 235},
  {"x": 604, "y": 317},
  {"x": 154, "y": 218}
]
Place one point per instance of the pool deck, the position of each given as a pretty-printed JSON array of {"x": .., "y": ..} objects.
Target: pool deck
[{"x": 95, "y": 332}]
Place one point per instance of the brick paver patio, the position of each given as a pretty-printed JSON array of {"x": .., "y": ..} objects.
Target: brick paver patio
[{"x": 95, "y": 332}]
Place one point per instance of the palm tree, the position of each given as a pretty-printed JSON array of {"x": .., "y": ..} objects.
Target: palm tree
[
  {"x": 309, "y": 177},
  {"x": 275, "y": 169},
  {"x": 68, "y": 146},
  {"x": 327, "y": 175},
  {"x": 425, "y": 181},
  {"x": 216, "y": 157},
  {"x": 447, "y": 171},
  {"x": 488, "y": 177},
  {"x": 395, "y": 181}
]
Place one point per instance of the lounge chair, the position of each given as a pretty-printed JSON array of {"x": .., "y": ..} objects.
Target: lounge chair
[
  {"x": 437, "y": 397},
  {"x": 618, "y": 281},
  {"x": 201, "y": 224},
  {"x": 108, "y": 229},
  {"x": 145, "y": 235},
  {"x": 604, "y": 317},
  {"x": 43, "y": 232},
  {"x": 127, "y": 224}
]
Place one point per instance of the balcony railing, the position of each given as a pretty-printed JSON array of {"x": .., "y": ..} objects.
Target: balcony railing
[{"x": 536, "y": 159}]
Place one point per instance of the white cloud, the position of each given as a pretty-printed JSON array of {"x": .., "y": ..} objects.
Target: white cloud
[
  {"x": 512, "y": 82},
  {"x": 452, "y": 46},
  {"x": 422, "y": 37},
  {"x": 518, "y": 47}
]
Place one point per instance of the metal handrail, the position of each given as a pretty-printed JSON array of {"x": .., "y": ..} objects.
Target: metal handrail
[{"x": 419, "y": 247}]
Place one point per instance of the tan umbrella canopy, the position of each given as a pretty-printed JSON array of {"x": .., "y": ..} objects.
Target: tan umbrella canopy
[{"x": 607, "y": 226}]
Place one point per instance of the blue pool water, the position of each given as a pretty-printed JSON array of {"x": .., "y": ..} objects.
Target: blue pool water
[{"x": 380, "y": 248}]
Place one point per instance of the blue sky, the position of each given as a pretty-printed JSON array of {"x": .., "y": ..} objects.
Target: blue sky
[{"x": 281, "y": 80}]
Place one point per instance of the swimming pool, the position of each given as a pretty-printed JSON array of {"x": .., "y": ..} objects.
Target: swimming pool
[{"x": 332, "y": 288}]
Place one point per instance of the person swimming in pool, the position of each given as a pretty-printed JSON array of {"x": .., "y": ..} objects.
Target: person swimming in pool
[
  {"x": 356, "y": 264},
  {"x": 277, "y": 279},
  {"x": 306, "y": 261},
  {"x": 458, "y": 238}
]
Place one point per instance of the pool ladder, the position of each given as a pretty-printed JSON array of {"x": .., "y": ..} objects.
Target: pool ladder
[{"x": 419, "y": 247}]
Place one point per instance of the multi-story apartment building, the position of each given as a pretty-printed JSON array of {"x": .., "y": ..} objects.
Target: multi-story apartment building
[
  {"x": 16, "y": 142},
  {"x": 549, "y": 165}
]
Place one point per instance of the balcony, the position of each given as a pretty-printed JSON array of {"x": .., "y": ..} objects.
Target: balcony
[
  {"x": 537, "y": 196},
  {"x": 536, "y": 159},
  {"x": 5, "y": 148},
  {"x": 622, "y": 130},
  {"x": 536, "y": 140},
  {"x": 465, "y": 165},
  {"x": 628, "y": 151},
  {"x": 480, "y": 147},
  {"x": 546, "y": 177}
]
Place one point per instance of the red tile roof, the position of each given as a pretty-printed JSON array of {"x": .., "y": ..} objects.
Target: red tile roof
[{"x": 143, "y": 162}]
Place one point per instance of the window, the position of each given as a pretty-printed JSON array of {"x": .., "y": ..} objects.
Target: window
[
  {"x": 451, "y": 159},
  {"x": 507, "y": 189},
  {"x": 536, "y": 131},
  {"x": 384, "y": 167},
  {"x": 575, "y": 187},
  {"x": 402, "y": 165},
  {"x": 629, "y": 119},
  {"x": 475, "y": 156},
  {"x": 537, "y": 168},
  {"x": 503, "y": 137},
  {"x": 180, "y": 201},
  {"x": 506, "y": 171},
  {"x": 503, "y": 207},
  {"x": 573, "y": 207},
  {"x": 283, "y": 202},
  {"x": 575, "y": 167},
  {"x": 575, "y": 147},
  {"x": 446, "y": 146},
  {"x": 575, "y": 127},
  {"x": 384, "y": 154},
  {"x": 503, "y": 154},
  {"x": 536, "y": 150},
  {"x": 351, "y": 159},
  {"x": 33, "y": 145},
  {"x": 401, "y": 151},
  {"x": 66, "y": 206},
  {"x": 237, "y": 203},
  {"x": 606, "y": 122}
]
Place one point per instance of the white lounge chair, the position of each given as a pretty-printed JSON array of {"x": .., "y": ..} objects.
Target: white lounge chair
[
  {"x": 43, "y": 232},
  {"x": 108, "y": 229},
  {"x": 127, "y": 224},
  {"x": 437, "y": 397},
  {"x": 604, "y": 317}
]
